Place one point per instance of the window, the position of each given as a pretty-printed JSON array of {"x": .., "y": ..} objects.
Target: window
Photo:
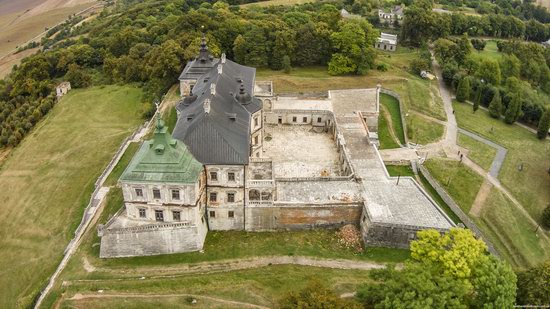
[
  {"x": 256, "y": 140},
  {"x": 231, "y": 197},
  {"x": 319, "y": 119},
  {"x": 214, "y": 176},
  {"x": 304, "y": 119},
  {"x": 139, "y": 192},
  {"x": 175, "y": 194},
  {"x": 159, "y": 215},
  {"x": 176, "y": 215},
  {"x": 231, "y": 214},
  {"x": 212, "y": 214},
  {"x": 231, "y": 176},
  {"x": 156, "y": 193},
  {"x": 142, "y": 213},
  {"x": 213, "y": 197},
  {"x": 256, "y": 122},
  {"x": 294, "y": 119}
]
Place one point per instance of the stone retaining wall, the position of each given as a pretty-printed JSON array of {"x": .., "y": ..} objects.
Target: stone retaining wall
[{"x": 469, "y": 223}]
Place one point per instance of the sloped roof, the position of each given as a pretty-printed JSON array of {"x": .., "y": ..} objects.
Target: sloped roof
[
  {"x": 214, "y": 121},
  {"x": 162, "y": 159},
  {"x": 200, "y": 65}
]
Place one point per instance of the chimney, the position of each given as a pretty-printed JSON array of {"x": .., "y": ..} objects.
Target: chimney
[
  {"x": 223, "y": 58},
  {"x": 213, "y": 89},
  {"x": 220, "y": 68},
  {"x": 206, "y": 106}
]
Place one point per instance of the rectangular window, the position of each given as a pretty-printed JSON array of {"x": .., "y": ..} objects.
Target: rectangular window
[
  {"x": 319, "y": 119},
  {"x": 213, "y": 197},
  {"x": 294, "y": 119},
  {"x": 231, "y": 197},
  {"x": 176, "y": 215},
  {"x": 175, "y": 194},
  {"x": 256, "y": 140},
  {"x": 156, "y": 193},
  {"x": 212, "y": 214},
  {"x": 142, "y": 213},
  {"x": 256, "y": 122},
  {"x": 231, "y": 176},
  {"x": 139, "y": 192},
  {"x": 214, "y": 176},
  {"x": 231, "y": 214},
  {"x": 159, "y": 215},
  {"x": 304, "y": 119}
]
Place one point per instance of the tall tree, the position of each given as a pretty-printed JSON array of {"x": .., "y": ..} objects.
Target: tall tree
[
  {"x": 495, "y": 107},
  {"x": 533, "y": 287},
  {"x": 239, "y": 49},
  {"x": 463, "y": 90},
  {"x": 514, "y": 110},
  {"x": 477, "y": 98},
  {"x": 544, "y": 125}
]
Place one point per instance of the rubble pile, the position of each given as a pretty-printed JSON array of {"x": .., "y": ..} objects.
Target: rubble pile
[{"x": 350, "y": 237}]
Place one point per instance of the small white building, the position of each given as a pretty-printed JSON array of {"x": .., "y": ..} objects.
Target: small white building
[
  {"x": 387, "y": 42},
  {"x": 395, "y": 14},
  {"x": 62, "y": 89}
]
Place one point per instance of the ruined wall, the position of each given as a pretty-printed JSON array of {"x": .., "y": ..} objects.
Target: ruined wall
[
  {"x": 289, "y": 216},
  {"x": 299, "y": 117},
  {"x": 152, "y": 240}
]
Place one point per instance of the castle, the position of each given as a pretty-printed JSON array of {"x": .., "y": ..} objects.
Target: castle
[{"x": 240, "y": 158}]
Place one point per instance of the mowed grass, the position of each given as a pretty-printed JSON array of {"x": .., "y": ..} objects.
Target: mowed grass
[
  {"x": 458, "y": 180},
  {"x": 117, "y": 171},
  {"x": 480, "y": 153},
  {"x": 512, "y": 234},
  {"x": 392, "y": 106},
  {"x": 263, "y": 286},
  {"x": 529, "y": 186},
  {"x": 489, "y": 52},
  {"x": 422, "y": 131},
  {"x": 385, "y": 137},
  {"x": 47, "y": 180}
]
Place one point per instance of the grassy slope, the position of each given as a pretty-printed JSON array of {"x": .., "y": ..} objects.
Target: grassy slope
[
  {"x": 480, "y": 153},
  {"x": 47, "y": 180},
  {"x": 512, "y": 234},
  {"x": 457, "y": 179},
  {"x": 384, "y": 132},
  {"x": 423, "y": 131},
  {"x": 392, "y": 105},
  {"x": 529, "y": 186},
  {"x": 262, "y": 286}
]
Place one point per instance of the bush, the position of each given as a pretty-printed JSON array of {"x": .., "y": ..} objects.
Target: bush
[
  {"x": 478, "y": 44},
  {"x": 546, "y": 217},
  {"x": 382, "y": 67}
]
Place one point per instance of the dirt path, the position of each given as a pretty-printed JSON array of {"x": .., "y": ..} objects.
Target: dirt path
[
  {"x": 80, "y": 296},
  {"x": 163, "y": 271},
  {"x": 481, "y": 198}
]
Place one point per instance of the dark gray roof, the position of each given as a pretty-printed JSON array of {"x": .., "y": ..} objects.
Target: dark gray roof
[
  {"x": 214, "y": 121},
  {"x": 202, "y": 64}
]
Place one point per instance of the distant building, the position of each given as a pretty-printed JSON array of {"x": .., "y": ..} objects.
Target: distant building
[
  {"x": 387, "y": 42},
  {"x": 395, "y": 14},
  {"x": 345, "y": 14},
  {"x": 62, "y": 89}
]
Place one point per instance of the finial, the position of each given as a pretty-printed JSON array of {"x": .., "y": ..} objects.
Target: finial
[
  {"x": 241, "y": 88},
  {"x": 157, "y": 104}
]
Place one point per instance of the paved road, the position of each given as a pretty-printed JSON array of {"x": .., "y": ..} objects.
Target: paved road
[{"x": 499, "y": 157}]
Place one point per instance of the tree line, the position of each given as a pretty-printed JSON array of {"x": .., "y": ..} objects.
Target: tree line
[{"x": 148, "y": 43}]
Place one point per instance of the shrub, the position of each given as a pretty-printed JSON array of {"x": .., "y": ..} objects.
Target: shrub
[{"x": 546, "y": 217}]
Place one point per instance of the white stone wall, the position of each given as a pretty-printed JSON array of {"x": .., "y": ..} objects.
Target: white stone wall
[
  {"x": 187, "y": 213},
  {"x": 315, "y": 118},
  {"x": 186, "y": 86},
  {"x": 188, "y": 193},
  {"x": 219, "y": 219}
]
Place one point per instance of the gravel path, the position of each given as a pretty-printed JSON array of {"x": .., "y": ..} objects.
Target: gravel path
[{"x": 499, "y": 157}]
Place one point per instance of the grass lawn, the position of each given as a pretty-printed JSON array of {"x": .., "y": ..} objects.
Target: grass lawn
[
  {"x": 392, "y": 106},
  {"x": 529, "y": 186},
  {"x": 458, "y": 180},
  {"x": 511, "y": 232},
  {"x": 423, "y": 131},
  {"x": 47, "y": 180},
  {"x": 262, "y": 286},
  {"x": 480, "y": 153},
  {"x": 112, "y": 179},
  {"x": 400, "y": 170},
  {"x": 490, "y": 51},
  {"x": 387, "y": 141}
]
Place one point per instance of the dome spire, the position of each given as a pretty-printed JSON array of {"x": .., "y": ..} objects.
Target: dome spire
[{"x": 204, "y": 55}]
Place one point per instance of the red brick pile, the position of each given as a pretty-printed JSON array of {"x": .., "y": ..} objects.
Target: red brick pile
[{"x": 350, "y": 237}]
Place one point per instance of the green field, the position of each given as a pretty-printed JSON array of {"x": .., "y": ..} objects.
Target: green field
[
  {"x": 458, "y": 180},
  {"x": 47, "y": 180},
  {"x": 490, "y": 51},
  {"x": 529, "y": 186},
  {"x": 513, "y": 235},
  {"x": 392, "y": 106},
  {"x": 385, "y": 137},
  {"x": 480, "y": 153},
  {"x": 262, "y": 286}
]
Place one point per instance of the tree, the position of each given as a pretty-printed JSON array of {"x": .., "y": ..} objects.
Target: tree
[
  {"x": 463, "y": 90},
  {"x": 453, "y": 270},
  {"x": 544, "y": 125},
  {"x": 478, "y": 44},
  {"x": 286, "y": 64},
  {"x": 477, "y": 98},
  {"x": 239, "y": 49},
  {"x": 316, "y": 295},
  {"x": 533, "y": 287},
  {"x": 77, "y": 77},
  {"x": 546, "y": 217},
  {"x": 514, "y": 110},
  {"x": 495, "y": 107},
  {"x": 353, "y": 46}
]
